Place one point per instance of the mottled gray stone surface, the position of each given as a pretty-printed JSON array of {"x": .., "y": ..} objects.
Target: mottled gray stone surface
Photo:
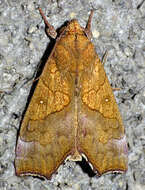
[{"x": 119, "y": 27}]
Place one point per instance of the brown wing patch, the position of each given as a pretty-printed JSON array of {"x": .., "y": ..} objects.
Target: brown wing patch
[
  {"x": 47, "y": 134},
  {"x": 101, "y": 132}
]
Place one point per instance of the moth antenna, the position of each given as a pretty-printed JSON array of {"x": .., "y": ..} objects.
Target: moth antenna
[
  {"x": 50, "y": 29},
  {"x": 88, "y": 26}
]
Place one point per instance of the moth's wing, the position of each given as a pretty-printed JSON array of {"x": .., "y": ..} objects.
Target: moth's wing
[
  {"x": 101, "y": 133},
  {"x": 46, "y": 134}
]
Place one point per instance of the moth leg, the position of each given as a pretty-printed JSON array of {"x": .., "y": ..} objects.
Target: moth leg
[
  {"x": 104, "y": 59},
  {"x": 88, "y": 26},
  {"x": 49, "y": 28},
  {"x": 114, "y": 89}
]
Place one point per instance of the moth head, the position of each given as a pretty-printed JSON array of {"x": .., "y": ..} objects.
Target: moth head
[{"x": 74, "y": 27}]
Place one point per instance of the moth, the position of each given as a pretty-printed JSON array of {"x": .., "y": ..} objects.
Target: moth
[{"x": 73, "y": 112}]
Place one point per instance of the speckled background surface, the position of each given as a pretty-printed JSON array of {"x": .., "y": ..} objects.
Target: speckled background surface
[{"x": 118, "y": 26}]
